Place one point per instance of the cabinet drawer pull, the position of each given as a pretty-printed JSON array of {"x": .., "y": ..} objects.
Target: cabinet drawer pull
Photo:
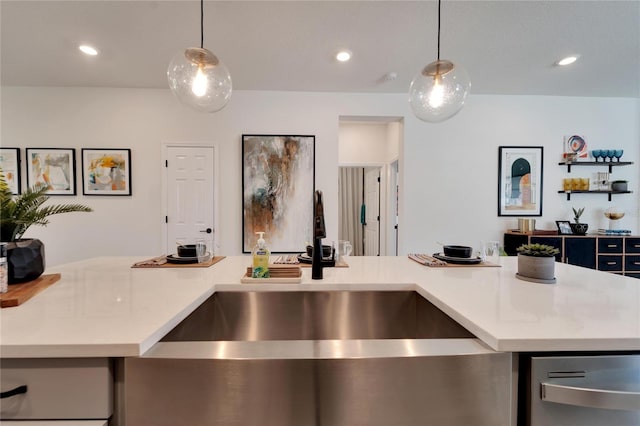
[
  {"x": 612, "y": 263},
  {"x": 13, "y": 392},
  {"x": 612, "y": 245},
  {"x": 636, "y": 263},
  {"x": 636, "y": 245}
]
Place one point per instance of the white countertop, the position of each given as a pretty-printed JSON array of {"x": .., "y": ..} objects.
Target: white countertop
[{"x": 103, "y": 307}]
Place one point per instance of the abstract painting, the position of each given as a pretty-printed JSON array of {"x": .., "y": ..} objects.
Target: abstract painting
[
  {"x": 10, "y": 165},
  {"x": 520, "y": 181},
  {"x": 53, "y": 167},
  {"x": 278, "y": 181},
  {"x": 106, "y": 171}
]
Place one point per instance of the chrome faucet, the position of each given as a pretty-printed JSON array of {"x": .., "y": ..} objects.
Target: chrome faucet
[{"x": 319, "y": 232}]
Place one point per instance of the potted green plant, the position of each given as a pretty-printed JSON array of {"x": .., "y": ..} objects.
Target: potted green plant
[
  {"x": 577, "y": 227},
  {"x": 25, "y": 256},
  {"x": 536, "y": 262}
]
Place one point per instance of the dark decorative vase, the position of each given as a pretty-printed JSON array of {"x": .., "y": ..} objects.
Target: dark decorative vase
[
  {"x": 579, "y": 228},
  {"x": 25, "y": 259}
]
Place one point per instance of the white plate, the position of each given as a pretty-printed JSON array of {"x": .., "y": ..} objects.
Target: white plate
[{"x": 458, "y": 260}]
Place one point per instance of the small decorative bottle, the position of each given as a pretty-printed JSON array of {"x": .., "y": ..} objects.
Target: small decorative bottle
[{"x": 260, "y": 258}]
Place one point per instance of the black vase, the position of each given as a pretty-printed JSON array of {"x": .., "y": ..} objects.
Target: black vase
[
  {"x": 25, "y": 259},
  {"x": 579, "y": 228}
]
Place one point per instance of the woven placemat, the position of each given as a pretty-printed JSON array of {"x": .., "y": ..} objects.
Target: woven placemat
[
  {"x": 292, "y": 259},
  {"x": 431, "y": 261},
  {"x": 161, "y": 262}
]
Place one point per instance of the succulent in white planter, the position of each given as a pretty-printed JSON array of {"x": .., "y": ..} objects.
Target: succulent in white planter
[{"x": 536, "y": 262}]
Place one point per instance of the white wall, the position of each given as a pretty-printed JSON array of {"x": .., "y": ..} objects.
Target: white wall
[
  {"x": 368, "y": 142},
  {"x": 449, "y": 170}
]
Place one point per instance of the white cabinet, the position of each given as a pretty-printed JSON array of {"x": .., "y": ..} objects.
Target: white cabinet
[{"x": 56, "y": 389}]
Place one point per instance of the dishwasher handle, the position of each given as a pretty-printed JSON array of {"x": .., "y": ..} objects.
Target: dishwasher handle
[{"x": 590, "y": 397}]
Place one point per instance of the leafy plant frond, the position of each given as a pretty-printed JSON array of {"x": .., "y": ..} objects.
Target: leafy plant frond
[
  {"x": 18, "y": 213},
  {"x": 577, "y": 213}
]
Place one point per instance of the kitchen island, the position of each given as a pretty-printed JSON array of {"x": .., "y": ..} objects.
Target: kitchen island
[{"x": 103, "y": 309}]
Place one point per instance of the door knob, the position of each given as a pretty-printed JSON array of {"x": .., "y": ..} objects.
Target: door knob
[{"x": 208, "y": 230}]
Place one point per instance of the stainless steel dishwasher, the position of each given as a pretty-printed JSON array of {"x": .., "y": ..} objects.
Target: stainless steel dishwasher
[
  {"x": 327, "y": 358},
  {"x": 602, "y": 390}
]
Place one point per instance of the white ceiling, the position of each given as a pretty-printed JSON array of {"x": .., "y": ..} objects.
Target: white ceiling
[{"x": 507, "y": 47}]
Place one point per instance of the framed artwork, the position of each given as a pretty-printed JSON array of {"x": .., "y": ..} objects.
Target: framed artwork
[
  {"x": 520, "y": 180},
  {"x": 53, "y": 167},
  {"x": 575, "y": 147},
  {"x": 10, "y": 165},
  {"x": 564, "y": 227},
  {"x": 278, "y": 182},
  {"x": 106, "y": 171}
]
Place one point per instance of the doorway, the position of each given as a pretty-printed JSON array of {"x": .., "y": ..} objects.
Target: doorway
[
  {"x": 189, "y": 195},
  {"x": 369, "y": 184},
  {"x": 359, "y": 202}
]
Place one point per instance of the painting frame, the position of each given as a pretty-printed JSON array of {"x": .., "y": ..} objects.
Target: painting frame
[
  {"x": 10, "y": 165},
  {"x": 520, "y": 180},
  {"x": 564, "y": 227},
  {"x": 278, "y": 182},
  {"x": 106, "y": 171},
  {"x": 60, "y": 172}
]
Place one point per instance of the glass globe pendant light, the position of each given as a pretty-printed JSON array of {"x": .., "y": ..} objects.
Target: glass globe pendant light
[
  {"x": 198, "y": 78},
  {"x": 438, "y": 92}
]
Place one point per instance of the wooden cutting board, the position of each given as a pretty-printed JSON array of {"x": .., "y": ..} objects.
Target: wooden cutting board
[
  {"x": 283, "y": 274},
  {"x": 20, "y": 293}
]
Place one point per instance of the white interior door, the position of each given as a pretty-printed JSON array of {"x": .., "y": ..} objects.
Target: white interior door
[
  {"x": 372, "y": 211},
  {"x": 190, "y": 196}
]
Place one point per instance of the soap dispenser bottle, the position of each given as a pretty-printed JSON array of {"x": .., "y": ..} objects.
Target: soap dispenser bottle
[{"x": 260, "y": 258}]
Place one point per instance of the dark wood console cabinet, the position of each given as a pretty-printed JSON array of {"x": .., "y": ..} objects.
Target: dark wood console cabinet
[{"x": 615, "y": 254}]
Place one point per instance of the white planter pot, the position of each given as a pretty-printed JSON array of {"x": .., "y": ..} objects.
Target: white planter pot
[{"x": 536, "y": 268}]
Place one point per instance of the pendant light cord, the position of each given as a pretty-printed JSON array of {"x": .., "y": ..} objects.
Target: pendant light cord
[
  {"x": 202, "y": 27},
  {"x": 439, "y": 3}
]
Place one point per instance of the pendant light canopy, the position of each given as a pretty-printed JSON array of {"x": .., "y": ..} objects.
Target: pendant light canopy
[
  {"x": 198, "y": 78},
  {"x": 438, "y": 92}
]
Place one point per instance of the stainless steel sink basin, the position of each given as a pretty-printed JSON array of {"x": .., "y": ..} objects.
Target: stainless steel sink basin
[
  {"x": 322, "y": 315},
  {"x": 327, "y": 358}
]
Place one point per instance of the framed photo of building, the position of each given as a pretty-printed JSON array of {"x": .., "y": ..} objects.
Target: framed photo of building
[
  {"x": 10, "y": 166},
  {"x": 520, "y": 180},
  {"x": 278, "y": 181},
  {"x": 106, "y": 171},
  {"x": 53, "y": 167},
  {"x": 564, "y": 227}
]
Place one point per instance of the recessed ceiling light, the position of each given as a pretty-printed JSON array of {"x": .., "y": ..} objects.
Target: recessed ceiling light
[
  {"x": 88, "y": 50},
  {"x": 343, "y": 55},
  {"x": 568, "y": 60}
]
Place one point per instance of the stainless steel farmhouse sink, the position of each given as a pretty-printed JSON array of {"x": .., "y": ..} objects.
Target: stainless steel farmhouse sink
[
  {"x": 325, "y": 358},
  {"x": 321, "y": 315}
]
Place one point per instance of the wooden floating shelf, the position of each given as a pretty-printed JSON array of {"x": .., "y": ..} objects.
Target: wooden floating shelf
[
  {"x": 609, "y": 164},
  {"x": 609, "y": 193}
]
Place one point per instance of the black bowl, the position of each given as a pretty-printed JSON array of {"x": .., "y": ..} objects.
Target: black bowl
[
  {"x": 457, "y": 251},
  {"x": 326, "y": 251},
  {"x": 187, "y": 250}
]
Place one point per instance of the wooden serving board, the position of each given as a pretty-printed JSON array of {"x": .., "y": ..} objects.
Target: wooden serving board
[
  {"x": 161, "y": 262},
  {"x": 280, "y": 274},
  {"x": 20, "y": 293}
]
